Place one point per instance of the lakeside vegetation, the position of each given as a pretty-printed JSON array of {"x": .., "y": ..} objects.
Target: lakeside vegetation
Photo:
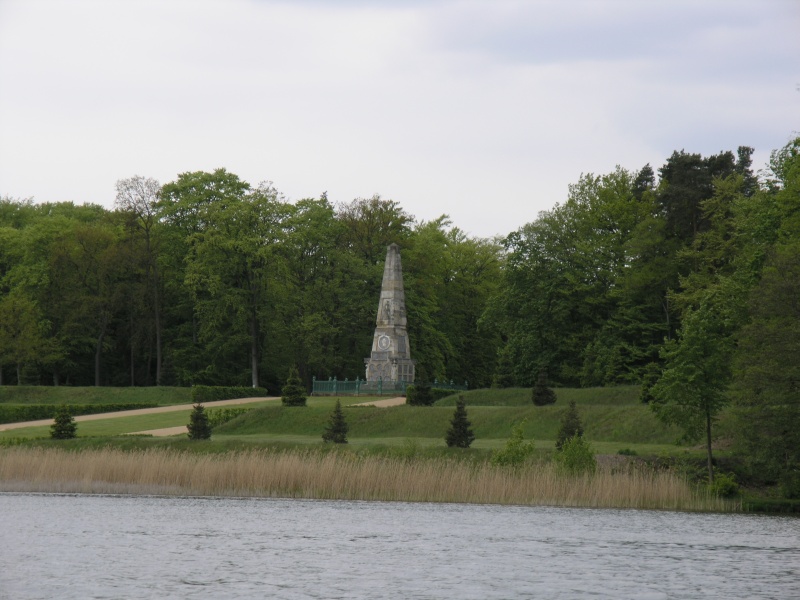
[
  {"x": 407, "y": 434},
  {"x": 342, "y": 475}
]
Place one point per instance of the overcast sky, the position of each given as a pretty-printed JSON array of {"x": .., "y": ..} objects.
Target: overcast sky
[{"x": 484, "y": 110}]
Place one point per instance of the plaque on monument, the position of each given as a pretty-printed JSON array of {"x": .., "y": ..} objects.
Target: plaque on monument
[{"x": 390, "y": 359}]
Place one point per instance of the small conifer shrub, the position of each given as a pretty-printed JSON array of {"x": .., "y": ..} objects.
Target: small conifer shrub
[
  {"x": 293, "y": 393},
  {"x": 336, "y": 431},
  {"x": 543, "y": 395},
  {"x": 571, "y": 426},
  {"x": 460, "y": 434},
  {"x": 576, "y": 456},
  {"x": 516, "y": 451},
  {"x": 64, "y": 426},
  {"x": 199, "y": 427}
]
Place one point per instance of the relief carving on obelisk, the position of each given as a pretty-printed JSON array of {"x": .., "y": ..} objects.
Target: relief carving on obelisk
[{"x": 390, "y": 359}]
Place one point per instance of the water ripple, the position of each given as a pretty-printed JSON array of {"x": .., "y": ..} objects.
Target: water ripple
[{"x": 144, "y": 547}]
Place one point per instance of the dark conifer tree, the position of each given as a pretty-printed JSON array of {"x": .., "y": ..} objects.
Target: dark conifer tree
[
  {"x": 293, "y": 393},
  {"x": 571, "y": 426},
  {"x": 460, "y": 434},
  {"x": 64, "y": 426},
  {"x": 504, "y": 373},
  {"x": 199, "y": 427},
  {"x": 337, "y": 428},
  {"x": 543, "y": 395}
]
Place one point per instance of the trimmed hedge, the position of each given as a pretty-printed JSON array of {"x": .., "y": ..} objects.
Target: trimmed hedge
[
  {"x": 212, "y": 393},
  {"x": 436, "y": 394},
  {"x": 17, "y": 413}
]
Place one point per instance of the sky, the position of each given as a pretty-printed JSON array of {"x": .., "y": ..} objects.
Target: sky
[{"x": 482, "y": 110}]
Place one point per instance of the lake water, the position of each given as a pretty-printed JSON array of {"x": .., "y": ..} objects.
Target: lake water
[{"x": 74, "y": 546}]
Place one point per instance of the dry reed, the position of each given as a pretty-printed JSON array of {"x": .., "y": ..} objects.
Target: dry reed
[{"x": 309, "y": 474}]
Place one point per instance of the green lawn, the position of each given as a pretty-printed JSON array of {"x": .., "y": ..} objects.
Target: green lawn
[{"x": 613, "y": 418}]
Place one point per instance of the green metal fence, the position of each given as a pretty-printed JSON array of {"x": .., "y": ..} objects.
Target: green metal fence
[
  {"x": 357, "y": 387},
  {"x": 361, "y": 387}
]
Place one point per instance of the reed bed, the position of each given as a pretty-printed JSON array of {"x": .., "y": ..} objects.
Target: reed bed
[{"x": 341, "y": 475}]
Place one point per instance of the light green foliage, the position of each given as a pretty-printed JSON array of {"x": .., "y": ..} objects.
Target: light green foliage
[
  {"x": 516, "y": 450},
  {"x": 576, "y": 456},
  {"x": 692, "y": 389},
  {"x": 724, "y": 485},
  {"x": 220, "y": 416},
  {"x": 64, "y": 426}
]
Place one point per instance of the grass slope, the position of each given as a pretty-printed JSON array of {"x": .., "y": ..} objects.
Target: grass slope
[
  {"x": 611, "y": 416},
  {"x": 614, "y": 419}
]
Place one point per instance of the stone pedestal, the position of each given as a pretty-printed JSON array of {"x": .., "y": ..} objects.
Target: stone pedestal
[{"x": 390, "y": 359}]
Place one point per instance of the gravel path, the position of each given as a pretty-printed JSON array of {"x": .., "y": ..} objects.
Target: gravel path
[
  {"x": 134, "y": 413},
  {"x": 383, "y": 403},
  {"x": 167, "y": 431}
]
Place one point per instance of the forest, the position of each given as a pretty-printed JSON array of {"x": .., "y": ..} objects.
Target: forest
[{"x": 684, "y": 279}]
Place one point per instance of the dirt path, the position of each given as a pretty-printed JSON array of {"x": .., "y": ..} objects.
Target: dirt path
[
  {"x": 383, "y": 403},
  {"x": 137, "y": 412}
]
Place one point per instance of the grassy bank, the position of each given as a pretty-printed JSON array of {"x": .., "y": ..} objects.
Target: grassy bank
[
  {"x": 28, "y": 394},
  {"x": 341, "y": 474},
  {"x": 633, "y": 424}
]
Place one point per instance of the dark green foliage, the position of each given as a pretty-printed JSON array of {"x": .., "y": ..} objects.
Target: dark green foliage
[
  {"x": 16, "y": 413},
  {"x": 435, "y": 394},
  {"x": 504, "y": 372},
  {"x": 64, "y": 427},
  {"x": 650, "y": 377},
  {"x": 199, "y": 428},
  {"x": 293, "y": 393},
  {"x": 212, "y": 393},
  {"x": 336, "y": 431},
  {"x": 460, "y": 434},
  {"x": 420, "y": 393},
  {"x": 571, "y": 426},
  {"x": 542, "y": 395},
  {"x": 767, "y": 372}
]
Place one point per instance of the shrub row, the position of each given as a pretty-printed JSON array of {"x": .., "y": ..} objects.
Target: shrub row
[
  {"x": 16, "y": 413},
  {"x": 220, "y": 416},
  {"x": 212, "y": 393},
  {"x": 435, "y": 394}
]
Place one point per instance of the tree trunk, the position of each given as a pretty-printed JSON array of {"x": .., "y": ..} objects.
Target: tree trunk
[
  {"x": 133, "y": 353},
  {"x": 1, "y": 375},
  {"x": 157, "y": 317},
  {"x": 708, "y": 448},
  {"x": 97, "y": 352},
  {"x": 19, "y": 374},
  {"x": 254, "y": 350}
]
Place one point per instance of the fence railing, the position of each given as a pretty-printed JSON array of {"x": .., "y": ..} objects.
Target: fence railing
[{"x": 356, "y": 387}]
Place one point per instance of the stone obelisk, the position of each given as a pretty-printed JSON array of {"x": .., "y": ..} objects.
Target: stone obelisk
[{"x": 390, "y": 359}]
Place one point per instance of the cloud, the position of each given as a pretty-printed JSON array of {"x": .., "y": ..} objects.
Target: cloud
[{"x": 483, "y": 110}]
